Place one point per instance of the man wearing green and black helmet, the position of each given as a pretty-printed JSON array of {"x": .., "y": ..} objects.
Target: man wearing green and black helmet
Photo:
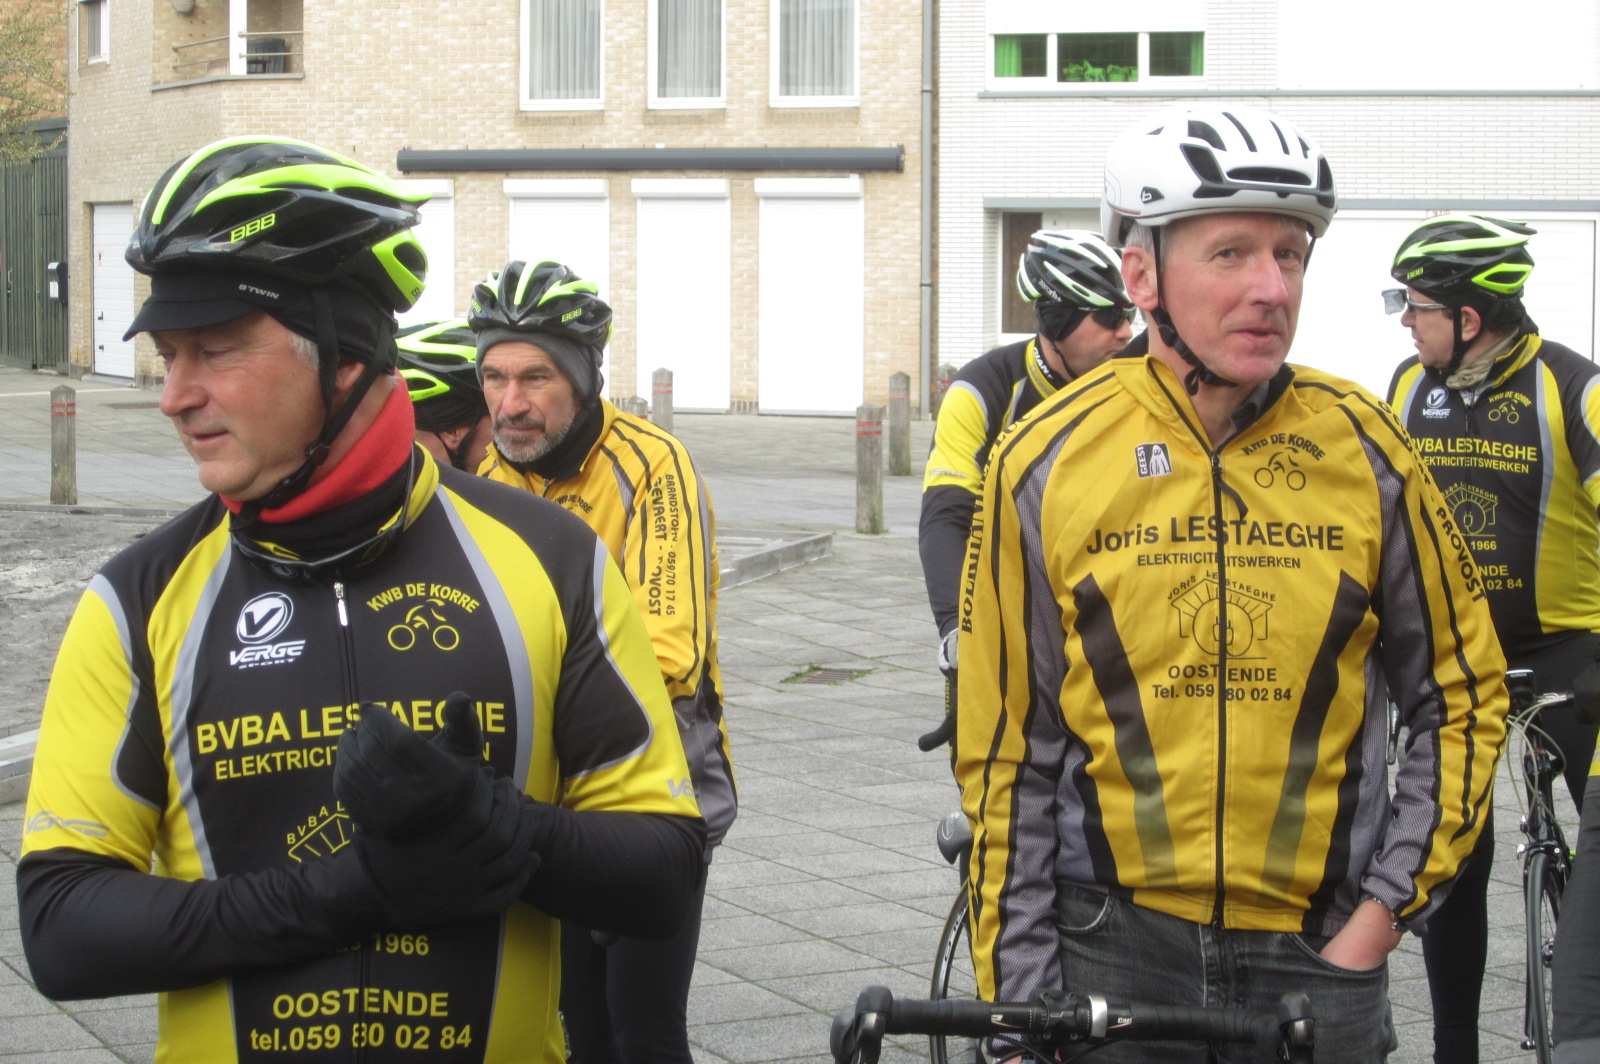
[
  {"x": 1509, "y": 424},
  {"x": 542, "y": 332},
  {"x": 325, "y": 758},
  {"x": 439, "y": 363}
]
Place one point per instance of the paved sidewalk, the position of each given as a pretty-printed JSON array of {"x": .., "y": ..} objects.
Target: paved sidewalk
[{"x": 829, "y": 880}]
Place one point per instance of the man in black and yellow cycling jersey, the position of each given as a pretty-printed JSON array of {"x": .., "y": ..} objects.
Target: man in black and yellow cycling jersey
[
  {"x": 1509, "y": 424},
  {"x": 1197, "y": 577},
  {"x": 1074, "y": 282},
  {"x": 439, "y": 363},
  {"x": 541, "y": 332},
  {"x": 325, "y": 758}
]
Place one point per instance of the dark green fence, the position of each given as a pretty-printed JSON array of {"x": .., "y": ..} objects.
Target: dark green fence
[{"x": 33, "y": 232}]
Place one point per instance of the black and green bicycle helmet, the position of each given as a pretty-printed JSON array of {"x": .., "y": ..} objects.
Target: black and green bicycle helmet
[
  {"x": 439, "y": 359},
  {"x": 1471, "y": 260},
  {"x": 284, "y": 208},
  {"x": 541, "y": 297},
  {"x": 1457, "y": 255}
]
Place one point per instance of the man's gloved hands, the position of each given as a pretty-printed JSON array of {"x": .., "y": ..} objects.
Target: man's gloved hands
[
  {"x": 441, "y": 837},
  {"x": 947, "y": 653}
]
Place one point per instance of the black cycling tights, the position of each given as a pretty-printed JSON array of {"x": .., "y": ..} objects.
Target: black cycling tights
[
  {"x": 1455, "y": 944},
  {"x": 627, "y": 1003}
]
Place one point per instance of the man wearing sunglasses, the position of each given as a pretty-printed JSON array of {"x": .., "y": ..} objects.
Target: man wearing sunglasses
[
  {"x": 1509, "y": 424},
  {"x": 1074, "y": 281}
]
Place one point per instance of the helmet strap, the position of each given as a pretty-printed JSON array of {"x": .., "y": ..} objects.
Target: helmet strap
[
  {"x": 333, "y": 422},
  {"x": 1200, "y": 373}
]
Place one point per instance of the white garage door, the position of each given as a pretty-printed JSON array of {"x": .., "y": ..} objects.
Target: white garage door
[
  {"x": 112, "y": 226},
  {"x": 684, "y": 289},
  {"x": 1344, "y": 330},
  {"x": 437, "y": 232},
  {"x": 813, "y": 264}
]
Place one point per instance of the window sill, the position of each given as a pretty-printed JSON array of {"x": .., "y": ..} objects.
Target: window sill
[
  {"x": 834, "y": 102},
  {"x": 1045, "y": 87},
  {"x": 697, "y": 104},
  {"x": 546, "y": 106}
]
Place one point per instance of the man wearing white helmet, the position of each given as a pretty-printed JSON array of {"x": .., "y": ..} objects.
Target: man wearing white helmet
[{"x": 1197, "y": 578}]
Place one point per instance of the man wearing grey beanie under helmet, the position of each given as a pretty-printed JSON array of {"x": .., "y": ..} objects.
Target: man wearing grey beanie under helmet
[{"x": 541, "y": 333}]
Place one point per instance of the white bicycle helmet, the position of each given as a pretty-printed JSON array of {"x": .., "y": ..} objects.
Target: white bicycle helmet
[
  {"x": 1071, "y": 266},
  {"x": 1194, "y": 161}
]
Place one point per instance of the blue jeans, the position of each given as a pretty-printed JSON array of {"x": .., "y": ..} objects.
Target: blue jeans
[{"x": 1125, "y": 952}]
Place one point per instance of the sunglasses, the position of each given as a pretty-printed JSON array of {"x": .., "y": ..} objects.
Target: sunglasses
[
  {"x": 1396, "y": 300},
  {"x": 1112, "y": 318}
]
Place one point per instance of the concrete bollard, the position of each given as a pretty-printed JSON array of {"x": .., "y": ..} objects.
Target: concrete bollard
[
  {"x": 64, "y": 446},
  {"x": 661, "y": 398},
  {"x": 942, "y": 376},
  {"x": 635, "y": 406},
  {"x": 900, "y": 425},
  {"x": 869, "y": 468}
]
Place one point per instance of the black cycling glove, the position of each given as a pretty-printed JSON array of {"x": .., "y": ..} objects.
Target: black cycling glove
[{"x": 441, "y": 837}]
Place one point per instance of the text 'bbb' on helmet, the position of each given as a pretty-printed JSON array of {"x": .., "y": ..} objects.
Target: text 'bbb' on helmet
[
  {"x": 1071, "y": 266},
  {"x": 542, "y": 297},
  {"x": 1465, "y": 255},
  {"x": 284, "y": 208},
  {"x": 1188, "y": 162},
  {"x": 438, "y": 358}
]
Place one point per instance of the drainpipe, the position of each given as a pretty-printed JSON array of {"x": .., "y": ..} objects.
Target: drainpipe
[{"x": 929, "y": 23}]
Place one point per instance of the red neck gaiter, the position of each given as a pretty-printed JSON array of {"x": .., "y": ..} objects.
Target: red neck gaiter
[{"x": 374, "y": 458}]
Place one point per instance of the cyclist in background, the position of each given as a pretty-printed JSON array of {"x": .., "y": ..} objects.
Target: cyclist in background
[
  {"x": 1197, "y": 578},
  {"x": 439, "y": 363},
  {"x": 1509, "y": 424},
  {"x": 1074, "y": 281},
  {"x": 261, "y": 774},
  {"x": 541, "y": 334}
]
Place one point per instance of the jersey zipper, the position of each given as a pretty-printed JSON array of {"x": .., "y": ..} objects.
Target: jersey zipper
[
  {"x": 347, "y": 656},
  {"x": 1222, "y": 674}
]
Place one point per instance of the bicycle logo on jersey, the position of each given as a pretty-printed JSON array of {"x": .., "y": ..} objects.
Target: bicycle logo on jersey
[
  {"x": 425, "y": 617},
  {"x": 1281, "y": 465},
  {"x": 1506, "y": 408}
]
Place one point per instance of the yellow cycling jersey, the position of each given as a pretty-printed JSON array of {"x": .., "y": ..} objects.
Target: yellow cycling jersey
[
  {"x": 1518, "y": 460},
  {"x": 196, "y": 707},
  {"x": 639, "y": 490},
  {"x": 1176, "y": 662}
]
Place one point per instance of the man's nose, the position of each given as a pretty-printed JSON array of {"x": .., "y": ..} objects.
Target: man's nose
[{"x": 180, "y": 391}]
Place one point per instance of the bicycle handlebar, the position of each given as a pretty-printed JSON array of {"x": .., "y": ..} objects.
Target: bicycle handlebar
[{"x": 1058, "y": 1019}]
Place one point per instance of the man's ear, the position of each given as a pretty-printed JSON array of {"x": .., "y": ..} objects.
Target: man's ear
[
  {"x": 452, "y": 437},
  {"x": 1471, "y": 324},
  {"x": 1139, "y": 274}
]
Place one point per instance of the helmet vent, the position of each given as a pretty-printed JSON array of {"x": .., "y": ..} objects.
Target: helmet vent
[
  {"x": 1203, "y": 163},
  {"x": 1270, "y": 175},
  {"x": 1204, "y": 131}
]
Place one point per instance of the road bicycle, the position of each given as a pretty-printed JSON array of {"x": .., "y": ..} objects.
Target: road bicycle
[
  {"x": 1546, "y": 858},
  {"x": 1060, "y": 1021}
]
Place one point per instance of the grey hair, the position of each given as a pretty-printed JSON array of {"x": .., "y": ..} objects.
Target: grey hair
[
  {"x": 1141, "y": 236},
  {"x": 305, "y": 349}
]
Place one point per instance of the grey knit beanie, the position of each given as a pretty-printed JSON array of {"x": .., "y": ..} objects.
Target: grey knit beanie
[{"x": 579, "y": 362}]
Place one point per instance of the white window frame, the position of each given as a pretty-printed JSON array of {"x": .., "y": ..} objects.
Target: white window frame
[
  {"x": 598, "y": 103},
  {"x": 664, "y": 103},
  {"x": 1095, "y": 88},
  {"x": 774, "y": 54},
  {"x": 99, "y": 12}
]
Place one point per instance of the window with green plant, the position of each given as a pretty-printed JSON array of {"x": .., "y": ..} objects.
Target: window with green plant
[
  {"x": 1097, "y": 57},
  {"x": 1104, "y": 57}
]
